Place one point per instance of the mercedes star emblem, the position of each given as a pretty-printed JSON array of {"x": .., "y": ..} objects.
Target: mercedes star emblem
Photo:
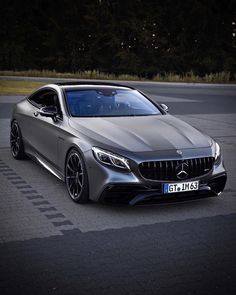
[{"x": 182, "y": 170}]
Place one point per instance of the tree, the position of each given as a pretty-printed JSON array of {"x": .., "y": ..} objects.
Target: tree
[{"x": 134, "y": 37}]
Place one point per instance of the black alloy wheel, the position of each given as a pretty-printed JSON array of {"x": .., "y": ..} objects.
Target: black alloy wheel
[
  {"x": 76, "y": 177},
  {"x": 16, "y": 142}
]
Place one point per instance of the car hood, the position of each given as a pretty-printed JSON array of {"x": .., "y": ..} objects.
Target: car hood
[{"x": 140, "y": 134}]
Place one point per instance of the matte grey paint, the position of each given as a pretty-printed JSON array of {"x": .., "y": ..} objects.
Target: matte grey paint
[{"x": 140, "y": 139}]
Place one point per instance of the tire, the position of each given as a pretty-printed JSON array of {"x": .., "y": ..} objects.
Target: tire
[
  {"x": 76, "y": 177},
  {"x": 16, "y": 142}
]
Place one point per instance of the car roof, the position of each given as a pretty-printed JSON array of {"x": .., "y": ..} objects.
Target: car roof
[{"x": 90, "y": 84}]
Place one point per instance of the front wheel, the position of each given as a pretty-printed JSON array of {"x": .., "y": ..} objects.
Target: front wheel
[
  {"x": 16, "y": 142},
  {"x": 76, "y": 177}
]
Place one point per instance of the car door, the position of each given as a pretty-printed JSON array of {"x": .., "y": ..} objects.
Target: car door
[{"x": 43, "y": 132}]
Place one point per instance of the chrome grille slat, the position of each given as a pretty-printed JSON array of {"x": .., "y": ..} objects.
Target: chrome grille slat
[
  {"x": 166, "y": 170},
  {"x": 195, "y": 172},
  {"x": 204, "y": 164},
  {"x": 172, "y": 169}
]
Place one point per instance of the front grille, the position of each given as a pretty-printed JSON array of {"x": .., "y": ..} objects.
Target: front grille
[{"x": 168, "y": 170}]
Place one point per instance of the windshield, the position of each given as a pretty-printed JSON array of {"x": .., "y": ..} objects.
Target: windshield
[{"x": 109, "y": 102}]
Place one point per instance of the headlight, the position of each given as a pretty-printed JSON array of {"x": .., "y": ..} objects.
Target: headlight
[
  {"x": 111, "y": 159},
  {"x": 217, "y": 151}
]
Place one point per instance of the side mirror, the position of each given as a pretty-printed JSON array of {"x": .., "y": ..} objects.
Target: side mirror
[
  {"x": 50, "y": 111},
  {"x": 164, "y": 107}
]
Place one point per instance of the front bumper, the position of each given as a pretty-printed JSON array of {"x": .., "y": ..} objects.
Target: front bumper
[
  {"x": 138, "y": 194},
  {"x": 110, "y": 185}
]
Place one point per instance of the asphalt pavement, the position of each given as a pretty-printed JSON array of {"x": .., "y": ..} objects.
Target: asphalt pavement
[{"x": 50, "y": 245}]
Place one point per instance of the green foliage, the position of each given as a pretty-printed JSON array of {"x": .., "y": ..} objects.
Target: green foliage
[
  {"x": 222, "y": 77},
  {"x": 142, "y": 38}
]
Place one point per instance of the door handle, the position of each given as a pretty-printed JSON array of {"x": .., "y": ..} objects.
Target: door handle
[{"x": 36, "y": 114}]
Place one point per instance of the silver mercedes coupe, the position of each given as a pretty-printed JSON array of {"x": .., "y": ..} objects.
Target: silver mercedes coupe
[{"x": 111, "y": 143}]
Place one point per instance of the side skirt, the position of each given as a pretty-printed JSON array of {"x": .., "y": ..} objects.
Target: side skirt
[{"x": 35, "y": 156}]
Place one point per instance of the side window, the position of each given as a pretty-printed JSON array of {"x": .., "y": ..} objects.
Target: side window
[
  {"x": 35, "y": 98},
  {"x": 45, "y": 98}
]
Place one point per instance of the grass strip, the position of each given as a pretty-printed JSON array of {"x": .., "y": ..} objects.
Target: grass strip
[
  {"x": 8, "y": 87},
  {"x": 221, "y": 77}
]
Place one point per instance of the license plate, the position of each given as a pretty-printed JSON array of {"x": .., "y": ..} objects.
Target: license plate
[{"x": 181, "y": 187}]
